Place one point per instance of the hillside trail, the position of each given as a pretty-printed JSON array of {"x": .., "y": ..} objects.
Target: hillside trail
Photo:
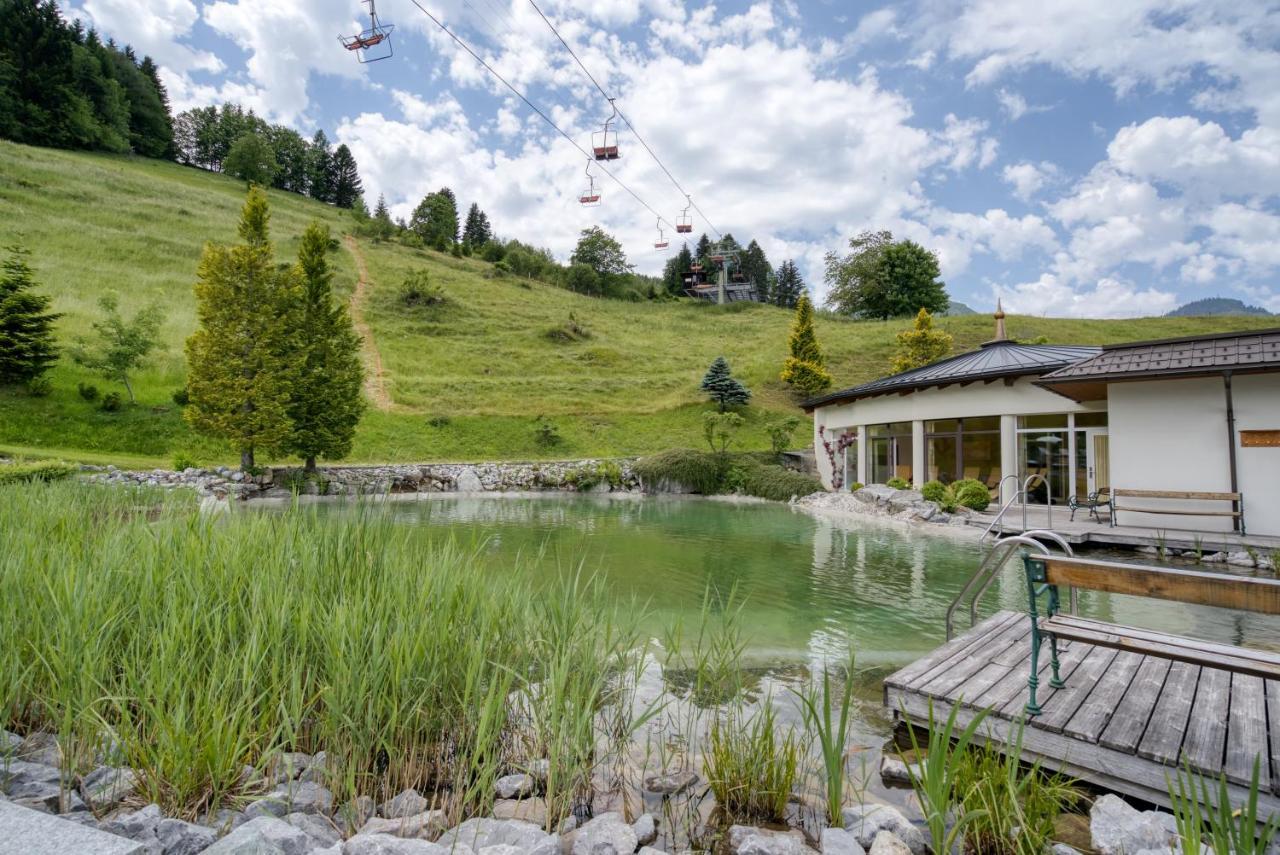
[{"x": 374, "y": 378}]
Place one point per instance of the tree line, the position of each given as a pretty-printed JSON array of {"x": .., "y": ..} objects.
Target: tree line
[
  {"x": 234, "y": 140},
  {"x": 62, "y": 86},
  {"x": 781, "y": 287}
]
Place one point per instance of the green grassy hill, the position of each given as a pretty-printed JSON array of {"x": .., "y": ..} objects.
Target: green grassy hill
[{"x": 462, "y": 380}]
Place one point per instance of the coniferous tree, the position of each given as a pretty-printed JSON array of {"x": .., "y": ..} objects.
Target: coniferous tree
[
  {"x": 675, "y": 271},
  {"x": 721, "y": 386},
  {"x": 757, "y": 270},
  {"x": 240, "y": 374},
  {"x": 921, "y": 345},
  {"x": 788, "y": 286},
  {"x": 326, "y": 403},
  {"x": 477, "y": 231},
  {"x": 320, "y": 174},
  {"x": 703, "y": 248},
  {"x": 383, "y": 226},
  {"x": 346, "y": 178},
  {"x": 27, "y": 347},
  {"x": 805, "y": 369}
]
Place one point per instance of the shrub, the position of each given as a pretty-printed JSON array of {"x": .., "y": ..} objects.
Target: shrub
[
  {"x": 39, "y": 387},
  {"x": 111, "y": 402},
  {"x": 777, "y": 483},
  {"x": 719, "y": 429},
  {"x": 589, "y": 475},
  {"x": 440, "y": 421},
  {"x": 545, "y": 432},
  {"x": 456, "y": 252},
  {"x": 934, "y": 491},
  {"x": 88, "y": 391},
  {"x": 750, "y": 768},
  {"x": 21, "y": 471},
  {"x": 972, "y": 494},
  {"x": 780, "y": 432},
  {"x": 898, "y": 483},
  {"x": 699, "y": 471},
  {"x": 501, "y": 269},
  {"x": 568, "y": 332},
  {"x": 181, "y": 397},
  {"x": 417, "y": 290},
  {"x": 182, "y": 461},
  {"x": 856, "y": 486}
]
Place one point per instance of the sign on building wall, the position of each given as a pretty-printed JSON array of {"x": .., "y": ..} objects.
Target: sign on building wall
[{"x": 1260, "y": 439}]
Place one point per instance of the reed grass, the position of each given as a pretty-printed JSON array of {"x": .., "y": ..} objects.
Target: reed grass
[
  {"x": 831, "y": 728},
  {"x": 1206, "y": 819},
  {"x": 751, "y": 765},
  {"x": 203, "y": 643}
]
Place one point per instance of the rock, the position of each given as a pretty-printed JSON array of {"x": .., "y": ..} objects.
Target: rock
[
  {"x": 292, "y": 798},
  {"x": 530, "y": 810},
  {"x": 184, "y": 838},
  {"x": 540, "y": 770},
  {"x": 606, "y": 834},
  {"x": 9, "y": 743},
  {"x": 865, "y": 821},
  {"x": 888, "y": 843},
  {"x": 30, "y": 832},
  {"x": 670, "y": 783},
  {"x": 291, "y": 764},
  {"x": 40, "y": 747},
  {"x": 317, "y": 771},
  {"x": 385, "y": 844},
  {"x": 1214, "y": 558},
  {"x": 478, "y": 834},
  {"x": 135, "y": 825},
  {"x": 748, "y": 840},
  {"x": 1240, "y": 559},
  {"x": 1117, "y": 828},
  {"x": 514, "y": 786},
  {"x": 319, "y": 829},
  {"x": 894, "y": 771},
  {"x": 646, "y": 829},
  {"x": 14, "y": 772},
  {"x": 649, "y": 850},
  {"x": 837, "y": 841},
  {"x": 501, "y": 849},
  {"x": 423, "y": 826},
  {"x": 263, "y": 835},
  {"x": 107, "y": 786},
  {"x": 224, "y": 820},
  {"x": 1146, "y": 550},
  {"x": 1063, "y": 849},
  {"x": 37, "y": 795},
  {"x": 275, "y": 803},
  {"x": 405, "y": 804},
  {"x": 468, "y": 481}
]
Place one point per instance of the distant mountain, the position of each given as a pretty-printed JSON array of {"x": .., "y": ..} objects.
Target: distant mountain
[
  {"x": 1216, "y": 306},
  {"x": 956, "y": 309}
]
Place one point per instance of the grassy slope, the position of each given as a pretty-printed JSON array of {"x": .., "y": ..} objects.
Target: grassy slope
[{"x": 483, "y": 359}]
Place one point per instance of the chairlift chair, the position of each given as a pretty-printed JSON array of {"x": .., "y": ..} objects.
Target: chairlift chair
[
  {"x": 604, "y": 144},
  {"x": 374, "y": 43},
  {"x": 661, "y": 242},
  {"x": 695, "y": 267},
  {"x": 684, "y": 222},
  {"x": 590, "y": 197}
]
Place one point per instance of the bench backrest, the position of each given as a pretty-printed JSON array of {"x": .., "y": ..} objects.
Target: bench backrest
[
  {"x": 1176, "y": 494},
  {"x": 1165, "y": 583}
]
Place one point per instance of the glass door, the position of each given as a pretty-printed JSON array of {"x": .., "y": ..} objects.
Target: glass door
[{"x": 1097, "y": 462}]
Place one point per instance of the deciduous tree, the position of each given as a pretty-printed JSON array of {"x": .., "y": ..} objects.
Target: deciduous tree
[
  {"x": 252, "y": 159},
  {"x": 122, "y": 346},
  {"x": 241, "y": 358},
  {"x": 326, "y": 403},
  {"x": 600, "y": 251},
  {"x": 882, "y": 278}
]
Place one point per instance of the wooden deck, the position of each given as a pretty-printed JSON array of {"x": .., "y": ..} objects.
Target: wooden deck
[
  {"x": 1086, "y": 530},
  {"x": 1123, "y": 722}
]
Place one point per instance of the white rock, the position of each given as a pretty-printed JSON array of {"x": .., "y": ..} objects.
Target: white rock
[
  {"x": 385, "y": 844},
  {"x": 1117, "y": 828},
  {"x": 407, "y": 803},
  {"x": 837, "y": 841},
  {"x": 263, "y": 835},
  {"x": 864, "y": 822},
  {"x": 646, "y": 829},
  {"x": 321, "y": 831},
  {"x": 748, "y": 840},
  {"x": 888, "y": 843},
  {"x": 606, "y": 834},
  {"x": 894, "y": 771},
  {"x": 424, "y": 825},
  {"x": 514, "y": 786},
  {"x": 477, "y": 834}
]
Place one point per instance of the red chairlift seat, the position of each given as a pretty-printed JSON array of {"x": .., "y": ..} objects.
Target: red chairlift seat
[
  {"x": 377, "y": 34},
  {"x": 591, "y": 196},
  {"x": 695, "y": 267},
  {"x": 604, "y": 143},
  {"x": 684, "y": 222},
  {"x": 718, "y": 259}
]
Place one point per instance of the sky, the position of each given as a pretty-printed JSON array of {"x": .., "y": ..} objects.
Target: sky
[{"x": 1093, "y": 158}]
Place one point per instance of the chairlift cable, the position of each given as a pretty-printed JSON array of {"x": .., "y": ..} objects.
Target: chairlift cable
[
  {"x": 534, "y": 107},
  {"x": 623, "y": 116},
  {"x": 488, "y": 23}
]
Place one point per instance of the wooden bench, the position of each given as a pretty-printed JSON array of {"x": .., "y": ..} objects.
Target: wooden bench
[
  {"x": 1045, "y": 575},
  {"x": 1236, "y": 500}
]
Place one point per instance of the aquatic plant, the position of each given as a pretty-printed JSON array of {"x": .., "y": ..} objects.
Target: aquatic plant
[
  {"x": 1230, "y": 831},
  {"x": 935, "y": 777},
  {"x": 832, "y": 732},
  {"x": 750, "y": 766}
]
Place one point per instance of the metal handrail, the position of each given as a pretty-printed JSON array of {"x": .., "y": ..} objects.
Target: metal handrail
[
  {"x": 1022, "y": 496},
  {"x": 1017, "y": 494},
  {"x": 990, "y": 567}
]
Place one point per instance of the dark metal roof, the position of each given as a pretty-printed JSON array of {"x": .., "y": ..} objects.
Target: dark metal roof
[
  {"x": 1252, "y": 350},
  {"x": 994, "y": 360}
]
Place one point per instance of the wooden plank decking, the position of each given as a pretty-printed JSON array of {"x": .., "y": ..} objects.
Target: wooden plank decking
[{"x": 1124, "y": 720}]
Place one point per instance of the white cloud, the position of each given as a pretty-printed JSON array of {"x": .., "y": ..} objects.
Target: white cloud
[
  {"x": 1106, "y": 298},
  {"x": 965, "y": 145},
  {"x": 154, "y": 29},
  {"x": 1027, "y": 179},
  {"x": 1015, "y": 106},
  {"x": 1190, "y": 154}
]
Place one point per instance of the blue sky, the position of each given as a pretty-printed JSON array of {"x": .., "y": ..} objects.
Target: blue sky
[{"x": 1092, "y": 158}]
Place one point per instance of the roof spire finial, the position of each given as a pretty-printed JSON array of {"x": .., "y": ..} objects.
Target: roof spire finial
[{"x": 1000, "y": 333}]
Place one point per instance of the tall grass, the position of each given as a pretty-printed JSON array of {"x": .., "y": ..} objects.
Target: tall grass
[
  {"x": 831, "y": 727},
  {"x": 204, "y": 643},
  {"x": 1206, "y": 819},
  {"x": 751, "y": 766}
]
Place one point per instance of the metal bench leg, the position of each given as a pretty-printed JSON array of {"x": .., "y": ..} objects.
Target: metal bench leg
[
  {"x": 1052, "y": 609},
  {"x": 1033, "y": 681}
]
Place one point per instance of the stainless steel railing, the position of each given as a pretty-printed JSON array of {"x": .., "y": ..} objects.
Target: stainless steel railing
[{"x": 985, "y": 575}]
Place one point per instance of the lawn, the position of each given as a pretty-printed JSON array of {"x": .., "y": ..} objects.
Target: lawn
[{"x": 463, "y": 380}]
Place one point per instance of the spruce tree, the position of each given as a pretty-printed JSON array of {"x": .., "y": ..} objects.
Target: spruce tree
[
  {"x": 383, "y": 227},
  {"x": 805, "y": 369},
  {"x": 27, "y": 347},
  {"x": 326, "y": 404},
  {"x": 477, "y": 231},
  {"x": 320, "y": 172},
  {"x": 757, "y": 270},
  {"x": 721, "y": 387},
  {"x": 240, "y": 359},
  {"x": 787, "y": 286},
  {"x": 346, "y": 178}
]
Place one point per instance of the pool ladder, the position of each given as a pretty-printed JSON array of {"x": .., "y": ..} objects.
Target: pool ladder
[
  {"x": 1020, "y": 496},
  {"x": 991, "y": 565}
]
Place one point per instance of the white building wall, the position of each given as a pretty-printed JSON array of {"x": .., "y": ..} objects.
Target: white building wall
[
  {"x": 1020, "y": 398},
  {"x": 1257, "y": 405}
]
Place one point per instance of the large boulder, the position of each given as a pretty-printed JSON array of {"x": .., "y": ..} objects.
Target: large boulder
[
  {"x": 748, "y": 840},
  {"x": 1117, "y": 828},
  {"x": 265, "y": 834},
  {"x": 606, "y": 834},
  {"x": 476, "y": 834},
  {"x": 33, "y": 833},
  {"x": 423, "y": 826},
  {"x": 517, "y": 786}
]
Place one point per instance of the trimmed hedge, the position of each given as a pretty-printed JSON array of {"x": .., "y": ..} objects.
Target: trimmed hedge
[{"x": 23, "y": 472}]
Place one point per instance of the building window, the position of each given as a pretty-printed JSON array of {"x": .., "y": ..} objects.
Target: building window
[
  {"x": 964, "y": 448},
  {"x": 889, "y": 449},
  {"x": 1043, "y": 450}
]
